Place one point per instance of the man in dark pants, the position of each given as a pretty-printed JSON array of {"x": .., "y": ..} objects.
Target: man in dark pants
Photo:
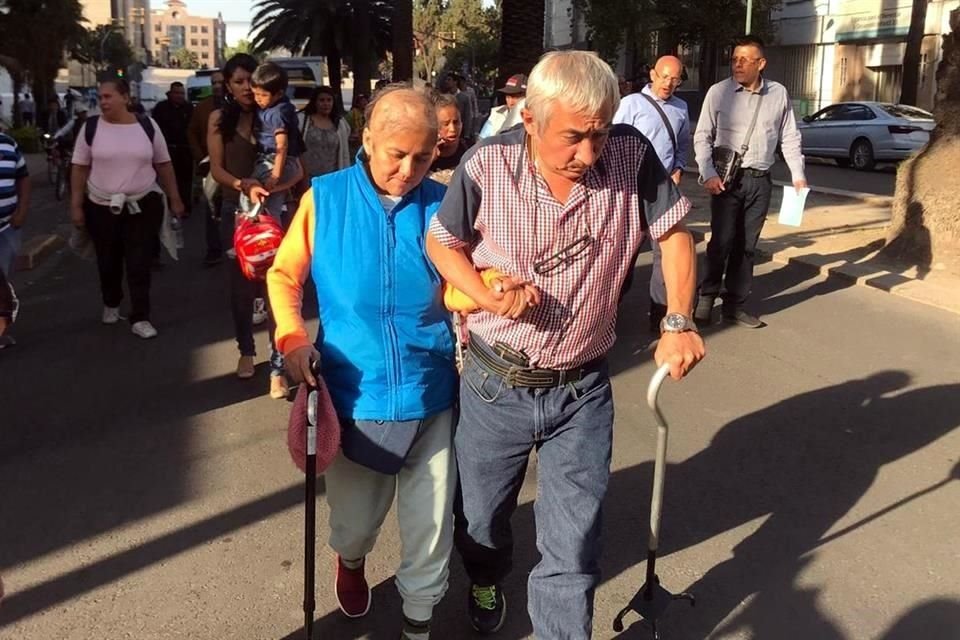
[
  {"x": 738, "y": 209},
  {"x": 173, "y": 116},
  {"x": 197, "y": 134}
]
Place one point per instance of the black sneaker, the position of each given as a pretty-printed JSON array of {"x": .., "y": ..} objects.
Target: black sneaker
[
  {"x": 704, "y": 311},
  {"x": 212, "y": 259},
  {"x": 488, "y": 608},
  {"x": 742, "y": 318}
]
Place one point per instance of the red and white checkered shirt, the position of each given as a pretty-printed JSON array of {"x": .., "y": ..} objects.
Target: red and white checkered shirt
[{"x": 500, "y": 206}]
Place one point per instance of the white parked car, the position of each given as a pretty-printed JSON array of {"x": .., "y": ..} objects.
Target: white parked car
[{"x": 860, "y": 134}]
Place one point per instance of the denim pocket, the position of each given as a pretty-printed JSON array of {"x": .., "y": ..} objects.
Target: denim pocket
[
  {"x": 484, "y": 385},
  {"x": 590, "y": 384}
]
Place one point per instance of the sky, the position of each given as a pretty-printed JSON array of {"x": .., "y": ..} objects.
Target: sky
[{"x": 236, "y": 13}]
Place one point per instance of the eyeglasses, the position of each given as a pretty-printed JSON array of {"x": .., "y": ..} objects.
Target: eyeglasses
[
  {"x": 744, "y": 61},
  {"x": 673, "y": 82},
  {"x": 564, "y": 256}
]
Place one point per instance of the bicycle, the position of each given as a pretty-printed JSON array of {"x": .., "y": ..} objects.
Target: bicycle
[
  {"x": 62, "y": 182},
  {"x": 50, "y": 145}
]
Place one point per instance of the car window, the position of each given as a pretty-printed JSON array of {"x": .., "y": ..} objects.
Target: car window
[
  {"x": 299, "y": 92},
  {"x": 858, "y": 112},
  {"x": 828, "y": 114},
  {"x": 906, "y": 111}
]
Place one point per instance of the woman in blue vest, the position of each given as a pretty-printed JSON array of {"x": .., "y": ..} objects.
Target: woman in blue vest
[{"x": 386, "y": 352}]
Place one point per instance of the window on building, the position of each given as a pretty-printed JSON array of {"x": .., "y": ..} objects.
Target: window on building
[
  {"x": 178, "y": 37},
  {"x": 843, "y": 71},
  {"x": 204, "y": 42},
  {"x": 193, "y": 42},
  {"x": 158, "y": 28},
  {"x": 193, "y": 28},
  {"x": 204, "y": 30},
  {"x": 156, "y": 41},
  {"x": 205, "y": 55}
]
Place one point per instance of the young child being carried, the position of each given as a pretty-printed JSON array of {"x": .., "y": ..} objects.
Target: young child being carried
[{"x": 278, "y": 135}]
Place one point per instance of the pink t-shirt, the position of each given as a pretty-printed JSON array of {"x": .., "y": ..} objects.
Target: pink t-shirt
[{"x": 122, "y": 159}]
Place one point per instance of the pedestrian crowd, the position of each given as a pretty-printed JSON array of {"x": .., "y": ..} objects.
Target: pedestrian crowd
[{"x": 533, "y": 219}]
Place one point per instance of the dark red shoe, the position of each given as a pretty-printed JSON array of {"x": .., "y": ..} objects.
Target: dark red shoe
[{"x": 353, "y": 592}]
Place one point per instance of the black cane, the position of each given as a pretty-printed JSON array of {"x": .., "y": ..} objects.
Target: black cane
[{"x": 310, "y": 521}]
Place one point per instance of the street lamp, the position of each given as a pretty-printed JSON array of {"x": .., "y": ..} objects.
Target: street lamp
[{"x": 749, "y": 16}]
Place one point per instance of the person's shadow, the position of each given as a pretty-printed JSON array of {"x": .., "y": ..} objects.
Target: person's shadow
[{"x": 802, "y": 463}]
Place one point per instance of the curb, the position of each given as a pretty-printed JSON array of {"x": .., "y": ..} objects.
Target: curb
[
  {"x": 35, "y": 250},
  {"x": 886, "y": 281}
]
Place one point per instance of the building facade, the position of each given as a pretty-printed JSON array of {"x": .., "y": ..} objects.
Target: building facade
[
  {"x": 174, "y": 28},
  {"x": 830, "y": 51}
]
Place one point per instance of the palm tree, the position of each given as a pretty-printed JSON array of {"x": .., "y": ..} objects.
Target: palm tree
[
  {"x": 521, "y": 37},
  {"x": 402, "y": 40},
  {"x": 303, "y": 27},
  {"x": 358, "y": 29}
]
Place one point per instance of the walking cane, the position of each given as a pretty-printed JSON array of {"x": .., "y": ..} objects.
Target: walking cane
[
  {"x": 652, "y": 600},
  {"x": 310, "y": 521}
]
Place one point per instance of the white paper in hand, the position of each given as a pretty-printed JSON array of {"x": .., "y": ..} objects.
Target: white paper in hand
[{"x": 791, "y": 206}]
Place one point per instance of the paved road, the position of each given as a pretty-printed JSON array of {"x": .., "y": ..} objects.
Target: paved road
[
  {"x": 146, "y": 492},
  {"x": 825, "y": 173}
]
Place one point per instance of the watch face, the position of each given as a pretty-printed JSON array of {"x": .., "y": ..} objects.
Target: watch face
[{"x": 675, "y": 322}]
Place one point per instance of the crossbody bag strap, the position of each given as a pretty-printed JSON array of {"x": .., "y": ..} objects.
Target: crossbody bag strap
[
  {"x": 666, "y": 121},
  {"x": 753, "y": 124}
]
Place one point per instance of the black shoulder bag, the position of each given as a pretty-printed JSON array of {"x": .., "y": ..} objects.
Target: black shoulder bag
[
  {"x": 666, "y": 123},
  {"x": 727, "y": 161}
]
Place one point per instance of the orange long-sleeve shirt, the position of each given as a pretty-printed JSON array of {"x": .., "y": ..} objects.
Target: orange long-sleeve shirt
[{"x": 285, "y": 279}]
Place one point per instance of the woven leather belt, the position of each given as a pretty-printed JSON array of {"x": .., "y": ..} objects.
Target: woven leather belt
[
  {"x": 756, "y": 173},
  {"x": 518, "y": 376}
]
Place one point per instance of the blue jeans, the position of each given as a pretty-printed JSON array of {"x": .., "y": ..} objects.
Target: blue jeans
[
  {"x": 9, "y": 246},
  {"x": 571, "y": 428}
]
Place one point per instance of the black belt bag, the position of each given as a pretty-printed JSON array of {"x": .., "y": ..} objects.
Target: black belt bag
[{"x": 510, "y": 365}]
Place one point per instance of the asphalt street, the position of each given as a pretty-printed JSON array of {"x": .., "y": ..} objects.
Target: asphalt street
[
  {"x": 812, "y": 489},
  {"x": 825, "y": 173}
]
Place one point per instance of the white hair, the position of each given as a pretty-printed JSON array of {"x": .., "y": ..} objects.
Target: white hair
[{"x": 579, "y": 79}]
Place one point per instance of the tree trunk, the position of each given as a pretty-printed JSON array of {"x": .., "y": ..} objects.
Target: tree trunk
[
  {"x": 335, "y": 71},
  {"x": 521, "y": 37},
  {"x": 911, "y": 56},
  {"x": 403, "y": 41},
  {"x": 362, "y": 53},
  {"x": 925, "y": 225}
]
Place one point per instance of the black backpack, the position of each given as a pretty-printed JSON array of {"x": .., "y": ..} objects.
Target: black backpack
[{"x": 90, "y": 128}]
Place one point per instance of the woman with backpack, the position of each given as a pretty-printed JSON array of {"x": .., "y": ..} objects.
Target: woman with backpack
[
  {"x": 326, "y": 135},
  {"x": 121, "y": 172}
]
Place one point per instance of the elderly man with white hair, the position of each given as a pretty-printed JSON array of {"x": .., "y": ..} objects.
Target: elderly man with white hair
[{"x": 558, "y": 208}]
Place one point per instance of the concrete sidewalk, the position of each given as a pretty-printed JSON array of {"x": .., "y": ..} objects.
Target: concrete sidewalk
[{"x": 841, "y": 236}]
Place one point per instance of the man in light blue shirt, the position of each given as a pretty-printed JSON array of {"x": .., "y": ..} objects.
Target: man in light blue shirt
[{"x": 663, "y": 119}]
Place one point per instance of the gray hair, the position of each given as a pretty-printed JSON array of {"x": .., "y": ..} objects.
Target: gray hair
[
  {"x": 580, "y": 80},
  {"x": 402, "y": 105}
]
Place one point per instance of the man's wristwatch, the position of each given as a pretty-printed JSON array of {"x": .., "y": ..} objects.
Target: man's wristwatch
[{"x": 677, "y": 323}]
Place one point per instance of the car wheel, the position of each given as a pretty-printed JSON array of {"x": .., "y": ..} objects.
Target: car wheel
[
  {"x": 861, "y": 155},
  {"x": 842, "y": 162}
]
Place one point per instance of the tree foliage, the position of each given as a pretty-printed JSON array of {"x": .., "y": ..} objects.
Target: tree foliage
[
  {"x": 184, "y": 58},
  {"x": 456, "y": 35},
  {"x": 242, "y": 46},
  {"x": 104, "y": 46},
  {"x": 35, "y": 33}
]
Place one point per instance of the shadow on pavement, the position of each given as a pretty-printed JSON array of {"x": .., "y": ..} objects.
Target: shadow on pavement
[
  {"x": 101, "y": 428},
  {"x": 933, "y": 620},
  {"x": 803, "y": 464}
]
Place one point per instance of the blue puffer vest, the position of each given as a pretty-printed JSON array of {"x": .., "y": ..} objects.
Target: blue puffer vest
[{"x": 385, "y": 337}]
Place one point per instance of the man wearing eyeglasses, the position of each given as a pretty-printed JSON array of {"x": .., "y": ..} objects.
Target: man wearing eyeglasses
[
  {"x": 662, "y": 117},
  {"x": 559, "y": 207},
  {"x": 738, "y": 208}
]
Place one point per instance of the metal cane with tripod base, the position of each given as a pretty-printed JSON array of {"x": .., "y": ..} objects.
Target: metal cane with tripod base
[{"x": 652, "y": 600}]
